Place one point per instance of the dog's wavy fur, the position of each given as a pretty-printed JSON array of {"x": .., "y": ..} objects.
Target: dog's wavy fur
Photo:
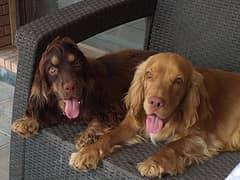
[
  {"x": 201, "y": 116},
  {"x": 100, "y": 84}
]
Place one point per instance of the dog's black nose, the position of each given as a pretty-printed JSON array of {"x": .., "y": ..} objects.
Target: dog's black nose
[
  {"x": 156, "y": 102},
  {"x": 69, "y": 87}
]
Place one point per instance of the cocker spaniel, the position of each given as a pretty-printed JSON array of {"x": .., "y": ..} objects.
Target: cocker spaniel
[
  {"x": 66, "y": 82},
  {"x": 194, "y": 110}
]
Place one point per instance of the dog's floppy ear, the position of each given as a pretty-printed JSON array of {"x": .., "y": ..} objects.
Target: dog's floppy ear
[
  {"x": 196, "y": 96},
  {"x": 39, "y": 89},
  {"x": 135, "y": 97},
  {"x": 39, "y": 92}
]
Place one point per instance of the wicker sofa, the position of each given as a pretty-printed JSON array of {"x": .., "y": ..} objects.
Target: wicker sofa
[{"x": 207, "y": 32}]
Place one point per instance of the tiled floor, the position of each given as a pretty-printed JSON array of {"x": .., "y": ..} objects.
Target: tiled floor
[
  {"x": 6, "y": 97},
  {"x": 8, "y": 58},
  {"x": 127, "y": 36}
]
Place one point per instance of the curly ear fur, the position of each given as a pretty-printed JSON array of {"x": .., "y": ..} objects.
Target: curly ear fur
[
  {"x": 38, "y": 98},
  {"x": 196, "y": 97},
  {"x": 42, "y": 103},
  {"x": 39, "y": 92},
  {"x": 135, "y": 97},
  {"x": 39, "y": 89}
]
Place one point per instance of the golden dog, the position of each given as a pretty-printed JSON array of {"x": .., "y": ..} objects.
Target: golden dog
[{"x": 195, "y": 110}]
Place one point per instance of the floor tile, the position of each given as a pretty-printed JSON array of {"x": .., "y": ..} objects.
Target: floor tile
[
  {"x": 6, "y": 91},
  {"x": 5, "y": 115},
  {"x": 6, "y": 102},
  {"x": 138, "y": 24},
  {"x": 104, "y": 45},
  {"x": 129, "y": 35},
  {"x": 4, "y": 139},
  {"x": 4, "y": 163},
  {"x": 127, "y": 38},
  {"x": 4, "y": 174}
]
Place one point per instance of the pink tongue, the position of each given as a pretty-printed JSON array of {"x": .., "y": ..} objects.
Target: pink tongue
[
  {"x": 153, "y": 124},
  {"x": 72, "y": 108}
]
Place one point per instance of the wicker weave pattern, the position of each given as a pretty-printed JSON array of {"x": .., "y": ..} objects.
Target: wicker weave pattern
[
  {"x": 206, "y": 32},
  {"x": 53, "y": 147}
]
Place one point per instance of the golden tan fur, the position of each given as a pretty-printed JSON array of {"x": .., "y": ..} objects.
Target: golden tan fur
[
  {"x": 201, "y": 116},
  {"x": 26, "y": 127}
]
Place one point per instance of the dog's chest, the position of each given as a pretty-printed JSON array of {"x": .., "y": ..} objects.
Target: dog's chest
[
  {"x": 153, "y": 138},
  {"x": 158, "y": 137}
]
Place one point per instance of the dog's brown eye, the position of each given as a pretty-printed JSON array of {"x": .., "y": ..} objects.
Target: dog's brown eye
[
  {"x": 53, "y": 71},
  {"x": 148, "y": 75}
]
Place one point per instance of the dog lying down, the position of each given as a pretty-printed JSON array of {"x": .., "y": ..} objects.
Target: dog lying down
[
  {"x": 195, "y": 110},
  {"x": 67, "y": 82}
]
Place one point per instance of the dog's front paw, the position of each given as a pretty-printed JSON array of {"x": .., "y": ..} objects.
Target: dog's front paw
[
  {"x": 25, "y": 127},
  {"x": 150, "y": 168},
  {"x": 87, "y": 158},
  {"x": 85, "y": 138}
]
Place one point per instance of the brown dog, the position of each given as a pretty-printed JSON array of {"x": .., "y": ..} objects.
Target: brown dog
[
  {"x": 67, "y": 82},
  {"x": 195, "y": 110}
]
